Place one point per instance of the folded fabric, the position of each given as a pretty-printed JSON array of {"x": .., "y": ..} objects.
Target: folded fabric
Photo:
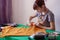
[{"x": 13, "y": 31}]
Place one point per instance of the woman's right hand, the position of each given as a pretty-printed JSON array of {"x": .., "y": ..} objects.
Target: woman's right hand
[
  {"x": 30, "y": 19},
  {"x": 31, "y": 24}
]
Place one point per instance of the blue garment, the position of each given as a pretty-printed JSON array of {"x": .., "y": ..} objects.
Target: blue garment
[{"x": 47, "y": 18}]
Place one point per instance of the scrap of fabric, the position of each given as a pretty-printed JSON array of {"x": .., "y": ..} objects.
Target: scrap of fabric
[{"x": 13, "y": 31}]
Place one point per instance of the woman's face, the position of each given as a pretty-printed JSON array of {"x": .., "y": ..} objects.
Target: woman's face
[{"x": 41, "y": 9}]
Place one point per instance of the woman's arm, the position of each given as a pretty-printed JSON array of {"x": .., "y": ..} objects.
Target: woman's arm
[
  {"x": 52, "y": 26},
  {"x": 51, "y": 19},
  {"x": 31, "y": 17}
]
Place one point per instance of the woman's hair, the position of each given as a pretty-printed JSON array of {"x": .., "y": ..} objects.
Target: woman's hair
[
  {"x": 35, "y": 6},
  {"x": 38, "y": 3}
]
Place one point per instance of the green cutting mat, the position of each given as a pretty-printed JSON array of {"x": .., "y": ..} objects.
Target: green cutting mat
[{"x": 24, "y": 37}]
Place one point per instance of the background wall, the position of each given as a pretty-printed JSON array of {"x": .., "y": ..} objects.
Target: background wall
[{"x": 22, "y": 10}]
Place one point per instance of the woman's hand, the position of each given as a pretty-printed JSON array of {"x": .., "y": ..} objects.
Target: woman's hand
[{"x": 31, "y": 24}]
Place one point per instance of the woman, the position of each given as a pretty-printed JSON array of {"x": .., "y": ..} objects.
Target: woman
[{"x": 45, "y": 16}]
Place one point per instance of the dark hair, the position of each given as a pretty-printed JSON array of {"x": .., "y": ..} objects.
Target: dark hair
[
  {"x": 35, "y": 6},
  {"x": 38, "y": 3}
]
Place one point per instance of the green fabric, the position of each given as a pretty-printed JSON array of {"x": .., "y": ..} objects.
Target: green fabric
[
  {"x": 22, "y": 26},
  {"x": 24, "y": 37},
  {"x": 16, "y": 37}
]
